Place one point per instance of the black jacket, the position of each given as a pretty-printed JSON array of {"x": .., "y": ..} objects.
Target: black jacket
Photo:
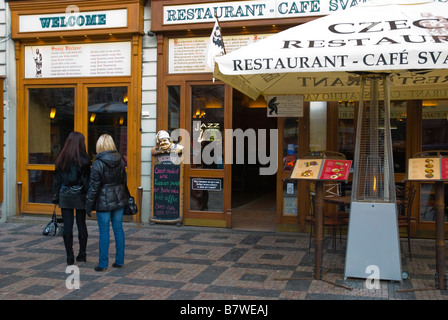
[
  {"x": 107, "y": 188},
  {"x": 75, "y": 176}
]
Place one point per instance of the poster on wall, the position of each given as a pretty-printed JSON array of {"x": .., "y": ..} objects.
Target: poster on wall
[
  {"x": 188, "y": 55},
  {"x": 285, "y": 106},
  {"x": 78, "y": 60}
]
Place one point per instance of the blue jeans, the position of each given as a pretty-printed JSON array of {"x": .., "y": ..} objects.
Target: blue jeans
[{"x": 104, "y": 219}]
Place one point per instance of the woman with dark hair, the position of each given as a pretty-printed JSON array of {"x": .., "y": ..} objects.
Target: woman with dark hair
[{"x": 71, "y": 182}]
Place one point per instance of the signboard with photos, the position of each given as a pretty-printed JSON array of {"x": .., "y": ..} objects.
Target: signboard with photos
[{"x": 322, "y": 169}]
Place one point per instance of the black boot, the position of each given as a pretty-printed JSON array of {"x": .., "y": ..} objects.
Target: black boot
[
  {"x": 82, "y": 256},
  {"x": 68, "y": 243}
]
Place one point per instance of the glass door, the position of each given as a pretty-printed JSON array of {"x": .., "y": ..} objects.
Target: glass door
[
  {"x": 207, "y": 188},
  {"x": 107, "y": 113},
  {"x": 50, "y": 117}
]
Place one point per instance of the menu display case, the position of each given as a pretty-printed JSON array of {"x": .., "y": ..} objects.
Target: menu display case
[{"x": 322, "y": 169}]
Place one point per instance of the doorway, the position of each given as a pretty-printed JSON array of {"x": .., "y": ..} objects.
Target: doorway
[{"x": 253, "y": 195}]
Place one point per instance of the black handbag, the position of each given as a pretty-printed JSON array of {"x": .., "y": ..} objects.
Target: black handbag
[
  {"x": 55, "y": 227},
  {"x": 131, "y": 209}
]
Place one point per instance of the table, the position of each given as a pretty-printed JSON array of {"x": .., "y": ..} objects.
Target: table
[
  {"x": 342, "y": 200},
  {"x": 319, "y": 225},
  {"x": 439, "y": 207}
]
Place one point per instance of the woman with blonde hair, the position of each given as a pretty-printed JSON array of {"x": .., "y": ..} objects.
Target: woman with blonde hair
[{"x": 107, "y": 196}]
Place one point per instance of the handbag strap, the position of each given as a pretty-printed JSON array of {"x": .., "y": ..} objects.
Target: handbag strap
[
  {"x": 53, "y": 219},
  {"x": 54, "y": 213}
]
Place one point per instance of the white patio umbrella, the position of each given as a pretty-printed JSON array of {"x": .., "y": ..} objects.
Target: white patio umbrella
[{"x": 323, "y": 60}]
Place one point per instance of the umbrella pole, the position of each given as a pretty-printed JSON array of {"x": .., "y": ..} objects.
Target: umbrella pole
[{"x": 319, "y": 225}]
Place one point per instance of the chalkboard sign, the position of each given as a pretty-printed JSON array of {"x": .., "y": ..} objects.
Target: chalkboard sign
[{"x": 167, "y": 190}]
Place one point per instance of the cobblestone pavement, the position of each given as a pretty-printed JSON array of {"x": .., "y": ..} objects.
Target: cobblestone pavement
[{"x": 191, "y": 263}]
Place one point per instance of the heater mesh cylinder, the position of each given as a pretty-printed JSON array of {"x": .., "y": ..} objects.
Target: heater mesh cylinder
[{"x": 374, "y": 179}]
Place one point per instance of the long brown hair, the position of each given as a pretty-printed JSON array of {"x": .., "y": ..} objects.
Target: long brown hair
[{"x": 74, "y": 150}]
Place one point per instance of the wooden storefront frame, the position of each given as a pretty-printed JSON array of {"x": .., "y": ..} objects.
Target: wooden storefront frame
[
  {"x": 163, "y": 32},
  {"x": 2, "y": 130},
  {"x": 132, "y": 33}
]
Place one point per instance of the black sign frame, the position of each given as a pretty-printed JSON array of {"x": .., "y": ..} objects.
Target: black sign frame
[{"x": 166, "y": 190}]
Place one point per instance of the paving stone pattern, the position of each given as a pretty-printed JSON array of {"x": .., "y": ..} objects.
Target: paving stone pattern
[{"x": 190, "y": 263}]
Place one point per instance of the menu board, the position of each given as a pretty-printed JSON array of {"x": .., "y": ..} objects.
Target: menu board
[
  {"x": 444, "y": 168},
  {"x": 307, "y": 169},
  {"x": 78, "y": 60},
  {"x": 335, "y": 169},
  {"x": 427, "y": 168},
  {"x": 322, "y": 169},
  {"x": 166, "y": 190},
  {"x": 188, "y": 55}
]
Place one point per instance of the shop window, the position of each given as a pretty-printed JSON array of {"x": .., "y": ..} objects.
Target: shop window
[
  {"x": 207, "y": 126},
  {"x": 290, "y": 143},
  {"x": 173, "y": 108},
  {"x": 40, "y": 186},
  {"x": 346, "y": 129},
  {"x": 434, "y": 137},
  {"x": 290, "y": 198},
  {"x": 398, "y": 133},
  {"x": 108, "y": 113},
  {"x": 290, "y": 155},
  {"x": 206, "y": 194},
  {"x": 51, "y": 119},
  {"x": 435, "y": 125},
  {"x": 318, "y": 125}
]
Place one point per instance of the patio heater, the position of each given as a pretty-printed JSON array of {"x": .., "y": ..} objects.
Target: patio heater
[{"x": 373, "y": 238}]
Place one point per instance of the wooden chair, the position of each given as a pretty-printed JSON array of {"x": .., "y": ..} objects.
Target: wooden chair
[
  {"x": 405, "y": 198},
  {"x": 332, "y": 219}
]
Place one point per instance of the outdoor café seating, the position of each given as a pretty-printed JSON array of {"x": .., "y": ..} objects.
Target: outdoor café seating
[
  {"x": 405, "y": 197},
  {"x": 333, "y": 220}
]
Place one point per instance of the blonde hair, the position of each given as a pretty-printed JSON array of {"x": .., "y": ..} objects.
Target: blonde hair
[{"x": 105, "y": 143}]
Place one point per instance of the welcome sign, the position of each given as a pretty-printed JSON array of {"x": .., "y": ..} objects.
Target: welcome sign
[{"x": 73, "y": 21}]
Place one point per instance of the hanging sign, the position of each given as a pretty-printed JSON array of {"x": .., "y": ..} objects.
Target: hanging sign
[
  {"x": 285, "y": 106},
  {"x": 78, "y": 60}
]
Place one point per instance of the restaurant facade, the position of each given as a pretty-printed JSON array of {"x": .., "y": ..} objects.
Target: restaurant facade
[
  {"x": 133, "y": 67},
  {"x": 72, "y": 66}
]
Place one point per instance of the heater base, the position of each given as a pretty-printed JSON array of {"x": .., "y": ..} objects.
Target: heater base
[{"x": 373, "y": 241}]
